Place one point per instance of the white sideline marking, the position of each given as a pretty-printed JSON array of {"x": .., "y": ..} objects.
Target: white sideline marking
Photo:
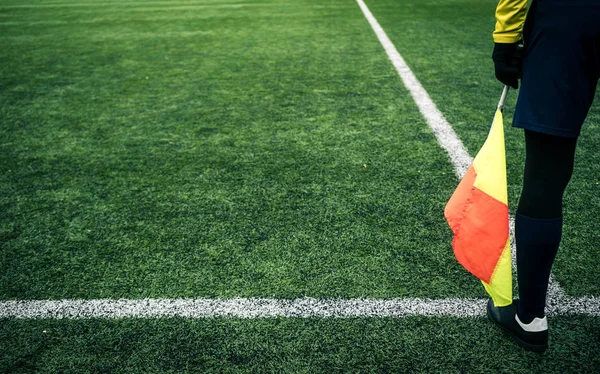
[
  {"x": 568, "y": 305},
  {"x": 269, "y": 308},
  {"x": 240, "y": 308},
  {"x": 441, "y": 128},
  {"x": 435, "y": 119}
]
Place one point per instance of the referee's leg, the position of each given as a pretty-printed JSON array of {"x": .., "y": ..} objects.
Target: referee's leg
[{"x": 538, "y": 224}]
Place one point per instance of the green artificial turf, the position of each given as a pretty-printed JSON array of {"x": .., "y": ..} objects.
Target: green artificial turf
[
  {"x": 254, "y": 148},
  {"x": 196, "y": 149},
  {"x": 290, "y": 345},
  {"x": 448, "y": 45}
]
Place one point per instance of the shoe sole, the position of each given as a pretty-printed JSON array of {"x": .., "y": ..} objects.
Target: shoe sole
[{"x": 523, "y": 344}]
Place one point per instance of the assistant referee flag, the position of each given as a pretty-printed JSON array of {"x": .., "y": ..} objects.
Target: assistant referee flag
[{"x": 477, "y": 213}]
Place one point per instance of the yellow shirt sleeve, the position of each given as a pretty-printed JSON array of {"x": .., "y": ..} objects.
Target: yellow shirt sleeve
[{"x": 510, "y": 18}]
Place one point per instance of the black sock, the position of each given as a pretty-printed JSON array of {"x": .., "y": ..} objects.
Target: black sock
[
  {"x": 538, "y": 223},
  {"x": 537, "y": 244}
]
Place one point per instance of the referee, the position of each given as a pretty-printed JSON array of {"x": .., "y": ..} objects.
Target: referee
[{"x": 554, "y": 48}]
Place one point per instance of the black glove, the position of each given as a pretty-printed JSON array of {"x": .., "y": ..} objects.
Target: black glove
[{"x": 508, "y": 58}]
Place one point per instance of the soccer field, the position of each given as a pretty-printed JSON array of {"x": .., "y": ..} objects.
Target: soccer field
[{"x": 263, "y": 164}]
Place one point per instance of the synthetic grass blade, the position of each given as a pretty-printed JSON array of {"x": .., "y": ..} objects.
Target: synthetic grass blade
[{"x": 477, "y": 213}]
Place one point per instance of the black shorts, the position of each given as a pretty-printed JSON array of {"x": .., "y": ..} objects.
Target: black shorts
[{"x": 561, "y": 66}]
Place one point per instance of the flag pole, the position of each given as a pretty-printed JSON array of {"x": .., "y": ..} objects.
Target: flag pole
[{"x": 503, "y": 98}]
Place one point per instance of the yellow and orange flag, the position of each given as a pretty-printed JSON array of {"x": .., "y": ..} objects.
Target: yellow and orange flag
[{"x": 477, "y": 213}]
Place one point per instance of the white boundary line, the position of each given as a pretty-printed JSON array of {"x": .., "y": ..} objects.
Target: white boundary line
[
  {"x": 269, "y": 308},
  {"x": 435, "y": 119},
  {"x": 559, "y": 304}
]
